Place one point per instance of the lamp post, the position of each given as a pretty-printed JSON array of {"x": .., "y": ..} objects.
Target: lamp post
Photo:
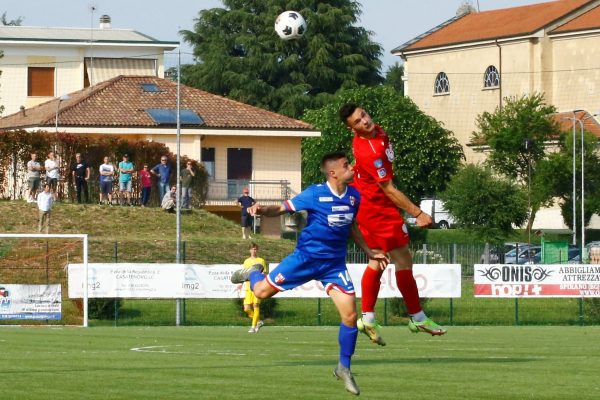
[
  {"x": 574, "y": 200},
  {"x": 62, "y": 98}
]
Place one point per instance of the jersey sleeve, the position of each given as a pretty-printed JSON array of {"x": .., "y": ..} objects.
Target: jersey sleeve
[{"x": 304, "y": 201}]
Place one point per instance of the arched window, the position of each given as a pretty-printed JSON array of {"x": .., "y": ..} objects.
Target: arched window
[
  {"x": 442, "y": 84},
  {"x": 491, "y": 78}
]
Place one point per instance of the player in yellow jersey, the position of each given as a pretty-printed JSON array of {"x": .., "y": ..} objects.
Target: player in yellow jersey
[{"x": 251, "y": 302}]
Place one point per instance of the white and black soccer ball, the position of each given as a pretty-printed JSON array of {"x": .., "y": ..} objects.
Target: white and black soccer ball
[{"x": 290, "y": 25}]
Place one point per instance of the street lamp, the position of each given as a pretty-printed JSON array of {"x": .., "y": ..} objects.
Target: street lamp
[
  {"x": 574, "y": 119},
  {"x": 62, "y": 98}
]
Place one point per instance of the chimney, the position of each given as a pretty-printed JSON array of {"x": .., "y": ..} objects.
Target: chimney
[
  {"x": 22, "y": 108},
  {"x": 105, "y": 22}
]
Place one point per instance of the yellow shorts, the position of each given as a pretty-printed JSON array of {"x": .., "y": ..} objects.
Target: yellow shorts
[{"x": 250, "y": 297}]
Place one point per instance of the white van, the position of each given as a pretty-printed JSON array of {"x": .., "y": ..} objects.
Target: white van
[{"x": 434, "y": 207}]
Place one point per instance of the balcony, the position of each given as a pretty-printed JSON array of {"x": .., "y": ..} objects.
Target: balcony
[{"x": 226, "y": 192}]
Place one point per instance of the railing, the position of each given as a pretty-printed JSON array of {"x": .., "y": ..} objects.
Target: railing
[{"x": 226, "y": 191}]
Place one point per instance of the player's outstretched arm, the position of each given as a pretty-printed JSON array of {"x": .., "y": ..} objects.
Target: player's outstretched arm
[
  {"x": 358, "y": 238},
  {"x": 267, "y": 211},
  {"x": 402, "y": 202}
]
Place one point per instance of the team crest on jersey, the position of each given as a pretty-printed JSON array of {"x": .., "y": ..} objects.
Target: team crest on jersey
[
  {"x": 378, "y": 163},
  {"x": 325, "y": 199},
  {"x": 381, "y": 172},
  {"x": 352, "y": 201},
  {"x": 279, "y": 278},
  {"x": 389, "y": 152}
]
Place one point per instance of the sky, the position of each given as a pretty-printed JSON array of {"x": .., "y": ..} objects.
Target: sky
[{"x": 392, "y": 22}]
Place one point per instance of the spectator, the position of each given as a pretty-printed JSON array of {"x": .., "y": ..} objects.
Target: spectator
[
  {"x": 187, "y": 176},
  {"x": 163, "y": 171},
  {"x": 33, "y": 175},
  {"x": 126, "y": 168},
  {"x": 107, "y": 173},
  {"x": 246, "y": 221},
  {"x": 51, "y": 167},
  {"x": 44, "y": 202},
  {"x": 146, "y": 182},
  {"x": 169, "y": 200},
  {"x": 81, "y": 174}
]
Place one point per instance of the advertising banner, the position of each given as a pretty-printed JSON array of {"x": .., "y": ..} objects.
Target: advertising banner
[
  {"x": 538, "y": 280},
  {"x": 128, "y": 280},
  {"x": 30, "y": 302}
]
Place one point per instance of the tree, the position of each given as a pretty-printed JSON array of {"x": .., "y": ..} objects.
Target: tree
[
  {"x": 426, "y": 154},
  {"x": 466, "y": 7},
  {"x": 486, "y": 205},
  {"x": 240, "y": 55},
  {"x": 393, "y": 77},
  {"x": 13, "y": 22},
  {"x": 517, "y": 135},
  {"x": 555, "y": 175}
]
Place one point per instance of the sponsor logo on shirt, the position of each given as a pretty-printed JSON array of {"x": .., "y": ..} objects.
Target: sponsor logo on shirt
[
  {"x": 325, "y": 199},
  {"x": 340, "y": 219},
  {"x": 389, "y": 152},
  {"x": 279, "y": 278},
  {"x": 352, "y": 200},
  {"x": 340, "y": 208},
  {"x": 378, "y": 163},
  {"x": 381, "y": 172}
]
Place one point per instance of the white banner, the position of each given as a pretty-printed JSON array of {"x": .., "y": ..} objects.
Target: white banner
[
  {"x": 539, "y": 280},
  {"x": 213, "y": 281},
  {"x": 30, "y": 301}
]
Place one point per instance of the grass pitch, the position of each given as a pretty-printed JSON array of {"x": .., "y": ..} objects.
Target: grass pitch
[{"x": 297, "y": 363}]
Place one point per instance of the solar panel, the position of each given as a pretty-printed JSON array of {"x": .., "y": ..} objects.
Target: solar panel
[{"x": 168, "y": 116}]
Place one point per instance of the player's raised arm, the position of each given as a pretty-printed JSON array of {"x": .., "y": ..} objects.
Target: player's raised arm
[
  {"x": 401, "y": 201},
  {"x": 380, "y": 258},
  {"x": 267, "y": 211}
]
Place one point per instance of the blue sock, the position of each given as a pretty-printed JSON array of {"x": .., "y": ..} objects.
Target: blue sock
[
  {"x": 255, "y": 276},
  {"x": 347, "y": 340}
]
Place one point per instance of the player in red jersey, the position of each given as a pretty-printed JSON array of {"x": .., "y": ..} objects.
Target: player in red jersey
[{"x": 381, "y": 223}]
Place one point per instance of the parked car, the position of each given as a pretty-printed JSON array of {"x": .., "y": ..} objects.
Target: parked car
[
  {"x": 511, "y": 256},
  {"x": 528, "y": 255},
  {"x": 498, "y": 253},
  {"x": 434, "y": 207},
  {"x": 572, "y": 256}
]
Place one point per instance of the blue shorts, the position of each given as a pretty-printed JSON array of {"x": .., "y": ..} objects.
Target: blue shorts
[{"x": 297, "y": 269}]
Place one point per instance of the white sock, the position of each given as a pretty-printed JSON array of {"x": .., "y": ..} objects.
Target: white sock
[
  {"x": 368, "y": 317},
  {"x": 419, "y": 317}
]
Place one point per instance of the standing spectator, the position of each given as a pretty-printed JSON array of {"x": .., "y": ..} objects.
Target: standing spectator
[
  {"x": 33, "y": 175},
  {"x": 51, "y": 167},
  {"x": 187, "y": 176},
  {"x": 126, "y": 168},
  {"x": 163, "y": 171},
  {"x": 146, "y": 181},
  {"x": 81, "y": 174},
  {"x": 169, "y": 200},
  {"x": 44, "y": 202},
  {"x": 246, "y": 221},
  {"x": 107, "y": 173}
]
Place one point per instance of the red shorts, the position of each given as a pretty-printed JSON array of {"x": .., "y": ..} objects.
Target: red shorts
[{"x": 382, "y": 227}]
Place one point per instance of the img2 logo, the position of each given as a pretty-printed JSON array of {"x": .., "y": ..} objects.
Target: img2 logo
[{"x": 4, "y": 298}]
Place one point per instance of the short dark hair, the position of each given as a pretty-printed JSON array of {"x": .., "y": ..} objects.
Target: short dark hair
[
  {"x": 347, "y": 110},
  {"x": 253, "y": 246},
  {"x": 331, "y": 157}
]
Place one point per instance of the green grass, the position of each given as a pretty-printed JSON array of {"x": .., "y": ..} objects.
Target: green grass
[{"x": 296, "y": 363}]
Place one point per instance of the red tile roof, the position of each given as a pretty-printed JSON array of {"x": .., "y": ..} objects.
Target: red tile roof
[
  {"x": 120, "y": 102},
  {"x": 495, "y": 24},
  {"x": 588, "y": 20},
  {"x": 590, "y": 124}
]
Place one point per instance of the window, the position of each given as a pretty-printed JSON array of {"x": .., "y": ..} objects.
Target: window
[
  {"x": 40, "y": 81},
  {"x": 207, "y": 156},
  {"x": 150, "y": 88},
  {"x": 442, "y": 84},
  {"x": 491, "y": 77},
  {"x": 168, "y": 116}
]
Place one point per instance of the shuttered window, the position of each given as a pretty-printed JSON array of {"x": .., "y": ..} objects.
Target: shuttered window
[{"x": 40, "y": 81}]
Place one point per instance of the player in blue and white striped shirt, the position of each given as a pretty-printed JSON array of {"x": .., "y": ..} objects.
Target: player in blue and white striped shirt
[{"x": 321, "y": 251}]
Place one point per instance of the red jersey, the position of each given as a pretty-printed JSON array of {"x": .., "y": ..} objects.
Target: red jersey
[{"x": 373, "y": 165}]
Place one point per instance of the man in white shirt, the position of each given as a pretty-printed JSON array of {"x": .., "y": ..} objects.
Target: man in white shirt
[
  {"x": 51, "y": 166},
  {"x": 33, "y": 175},
  {"x": 44, "y": 202},
  {"x": 107, "y": 173}
]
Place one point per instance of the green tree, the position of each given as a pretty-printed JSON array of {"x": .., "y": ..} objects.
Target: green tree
[
  {"x": 426, "y": 154},
  {"x": 486, "y": 205},
  {"x": 240, "y": 55},
  {"x": 13, "y": 22},
  {"x": 517, "y": 135},
  {"x": 393, "y": 77},
  {"x": 555, "y": 176}
]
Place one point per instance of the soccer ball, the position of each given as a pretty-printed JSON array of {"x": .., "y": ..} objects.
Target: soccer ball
[{"x": 290, "y": 25}]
